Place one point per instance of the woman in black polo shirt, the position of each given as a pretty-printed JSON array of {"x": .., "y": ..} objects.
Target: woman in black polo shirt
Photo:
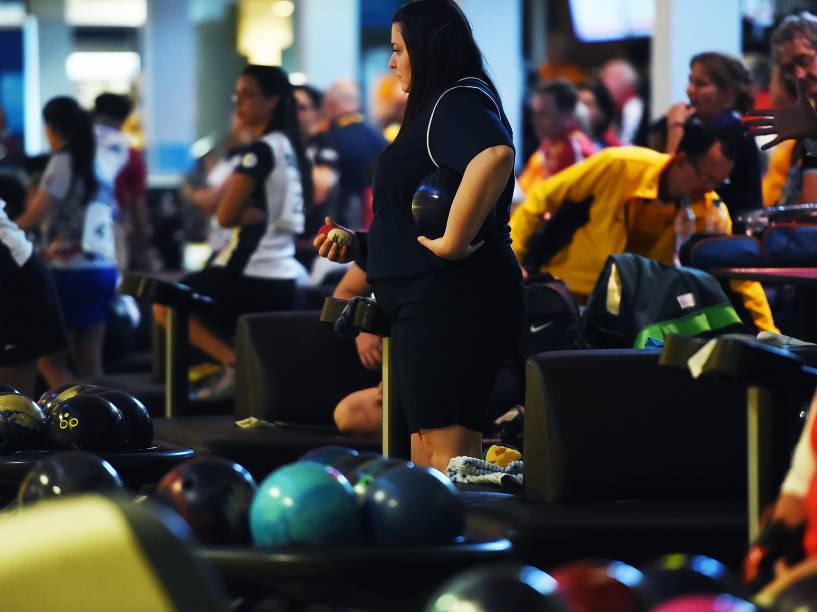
[{"x": 455, "y": 302}]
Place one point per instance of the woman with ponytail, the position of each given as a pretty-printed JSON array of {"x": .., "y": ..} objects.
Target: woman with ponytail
[
  {"x": 75, "y": 237},
  {"x": 262, "y": 201}
]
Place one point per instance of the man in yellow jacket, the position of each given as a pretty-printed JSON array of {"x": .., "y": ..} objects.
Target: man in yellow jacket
[{"x": 625, "y": 199}]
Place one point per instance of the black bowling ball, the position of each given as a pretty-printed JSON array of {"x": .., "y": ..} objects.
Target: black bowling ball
[
  {"x": 348, "y": 464},
  {"x": 22, "y": 424},
  {"x": 213, "y": 495},
  {"x": 497, "y": 587},
  {"x": 87, "y": 422},
  {"x": 137, "y": 418},
  {"x": 678, "y": 574},
  {"x": 59, "y": 394},
  {"x": 68, "y": 473},
  {"x": 432, "y": 202}
]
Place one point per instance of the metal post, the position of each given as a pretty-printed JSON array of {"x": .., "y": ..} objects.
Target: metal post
[
  {"x": 396, "y": 438},
  {"x": 176, "y": 338},
  {"x": 761, "y": 487}
]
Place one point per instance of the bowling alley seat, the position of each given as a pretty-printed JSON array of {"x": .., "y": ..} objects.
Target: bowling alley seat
[
  {"x": 91, "y": 554},
  {"x": 624, "y": 459},
  {"x": 291, "y": 371}
]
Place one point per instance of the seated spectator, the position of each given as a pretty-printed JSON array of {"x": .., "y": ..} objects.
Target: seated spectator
[
  {"x": 621, "y": 80},
  {"x": 561, "y": 141},
  {"x": 600, "y": 110},
  {"x": 357, "y": 145},
  {"x": 720, "y": 90},
  {"x": 262, "y": 202},
  {"x": 324, "y": 159},
  {"x": 625, "y": 199}
]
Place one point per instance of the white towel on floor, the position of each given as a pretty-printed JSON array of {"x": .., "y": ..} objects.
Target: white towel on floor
[{"x": 478, "y": 471}]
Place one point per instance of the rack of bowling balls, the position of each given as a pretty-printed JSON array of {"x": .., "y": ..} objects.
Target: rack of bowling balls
[
  {"x": 338, "y": 526},
  {"x": 81, "y": 418}
]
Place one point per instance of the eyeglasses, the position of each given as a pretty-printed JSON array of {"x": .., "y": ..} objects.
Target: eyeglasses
[
  {"x": 243, "y": 95},
  {"x": 804, "y": 61},
  {"x": 711, "y": 182}
]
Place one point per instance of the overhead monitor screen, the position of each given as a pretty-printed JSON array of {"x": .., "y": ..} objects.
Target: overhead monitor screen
[{"x": 595, "y": 21}]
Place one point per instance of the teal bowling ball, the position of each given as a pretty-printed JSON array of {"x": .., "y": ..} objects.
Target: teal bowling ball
[
  {"x": 304, "y": 503},
  {"x": 327, "y": 454},
  {"x": 497, "y": 587},
  {"x": 413, "y": 506}
]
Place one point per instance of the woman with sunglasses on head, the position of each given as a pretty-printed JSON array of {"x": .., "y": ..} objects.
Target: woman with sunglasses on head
[
  {"x": 720, "y": 91},
  {"x": 262, "y": 201},
  {"x": 454, "y": 301}
]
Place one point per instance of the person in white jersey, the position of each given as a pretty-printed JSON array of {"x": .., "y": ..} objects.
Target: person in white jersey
[
  {"x": 75, "y": 221},
  {"x": 263, "y": 202}
]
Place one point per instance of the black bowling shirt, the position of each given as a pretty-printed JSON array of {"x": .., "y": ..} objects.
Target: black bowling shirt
[{"x": 465, "y": 123}]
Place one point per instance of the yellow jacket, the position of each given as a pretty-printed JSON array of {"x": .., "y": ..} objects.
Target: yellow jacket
[
  {"x": 625, "y": 215},
  {"x": 777, "y": 174}
]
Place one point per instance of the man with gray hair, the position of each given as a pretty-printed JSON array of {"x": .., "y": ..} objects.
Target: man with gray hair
[
  {"x": 357, "y": 144},
  {"x": 794, "y": 47}
]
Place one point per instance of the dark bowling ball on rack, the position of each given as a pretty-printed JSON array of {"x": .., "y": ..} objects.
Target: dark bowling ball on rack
[
  {"x": 87, "y": 422},
  {"x": 413, "y": 506},
  {"x": 432, "y": 202},
  {"x": 496, "y": 587},
  {"x": 22, "y": 424},
  {"x": 59, "y": 394},
  {"x": 365, "y": 474},
  {"x": 346, "y": 465},
  {"x": 213, "y": 495},
  {"x": 599, "y": 586},
  {"x": 673, "y": 575},
  {"x": 327, "y": 454},
  {"x": 138, "y": 423},
  {"x": 68, "y": 473},
  {"x": 8, "y": 389},
  {"x": 713, "y": 602}
]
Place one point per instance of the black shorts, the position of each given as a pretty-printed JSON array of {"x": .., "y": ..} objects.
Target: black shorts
[
  {"x": 451, "y": 330},
  {"x": 235, "y": 294},
  {"x": 31, "y": 322}
]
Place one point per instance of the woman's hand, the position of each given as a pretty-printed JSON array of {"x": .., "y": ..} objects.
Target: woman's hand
[
  {"x": 796, "y": 121},
  {"x": 443, "y": 248},
  {"x": 678, "y": 114},
  {"x": 370, "y": 350},
  {"x": 332, "y": 250}
]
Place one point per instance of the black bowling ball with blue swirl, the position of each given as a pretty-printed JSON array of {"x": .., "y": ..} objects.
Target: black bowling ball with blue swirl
[{"x": 87, "y": 422}]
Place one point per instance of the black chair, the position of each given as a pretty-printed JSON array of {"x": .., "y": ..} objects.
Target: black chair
[
  {"x": 625, "y": 459},
  {"x": 291, "y": 371}
]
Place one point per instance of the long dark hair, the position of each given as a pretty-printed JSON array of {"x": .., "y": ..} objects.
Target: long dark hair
[
  {"x": 75, "y": 127},
  {"x": 273, "y": 81},
  {"x": 441, "y": 50},
  {"x": 728, "y": 74}
]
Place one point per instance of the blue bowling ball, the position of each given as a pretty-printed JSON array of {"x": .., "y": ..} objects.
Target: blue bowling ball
[
  {"x": 327, "y": 454},
  {"x": 304, "y": 503},
  {"x": 413, "y": 506},
  {"x": 347, "y": 464},
  {"x": 497, "y": 587},
  {"x": 366, "y": 473}
]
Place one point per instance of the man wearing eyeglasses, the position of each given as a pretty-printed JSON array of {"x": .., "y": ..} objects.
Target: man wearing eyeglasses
[
  {"x": 625, "y": 199},
  {"x": 794, "y": 47}
]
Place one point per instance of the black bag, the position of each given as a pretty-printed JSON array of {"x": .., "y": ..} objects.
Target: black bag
[
  {"x": 553, "y": 316},
  {"x": 636, "y": 298}
]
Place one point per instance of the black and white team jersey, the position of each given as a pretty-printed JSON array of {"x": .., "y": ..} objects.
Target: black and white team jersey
[
  {"x": 15, "y": 248},
  {"x": 267, "y": 249}
]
